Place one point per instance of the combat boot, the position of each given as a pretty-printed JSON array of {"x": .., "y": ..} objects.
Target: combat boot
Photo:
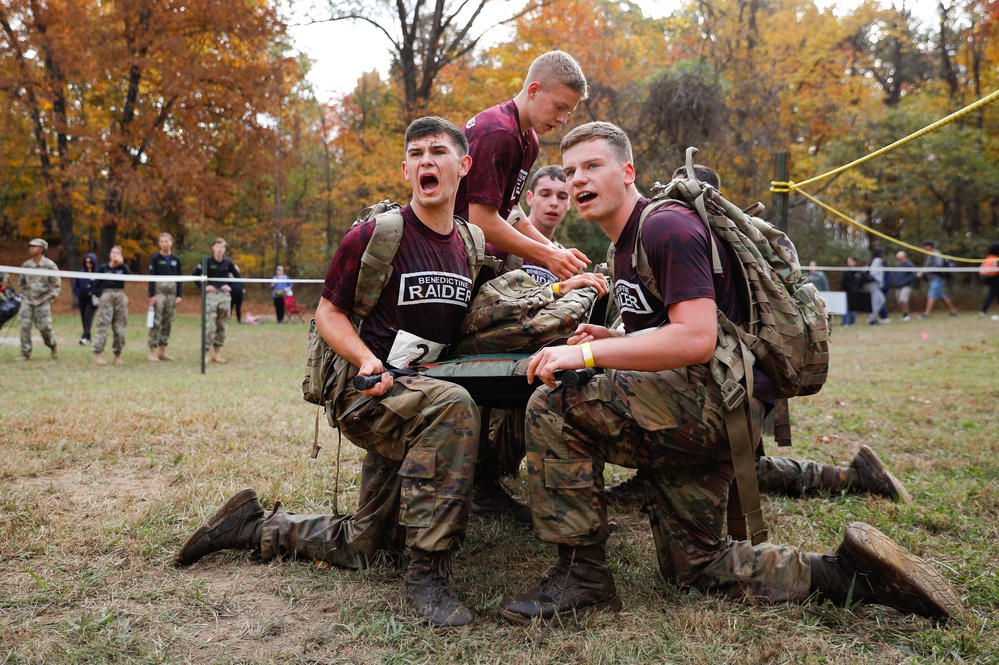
[
  {"x": 867, "y": 473},
  {"x": 580, "y": 582},
  {"x": 870, "y": 567},
  {"x": 24, "y": 359},
  {"x": 490, "y": 499},
  {"x": 630, "y": 493},
  {"x": 99, "y": 359},
  {"x": 163, "y": 353},
  {"x": 236, "y": 525},
  {"x": 55, "y": 352},
  {"x": 118, "y": 360},
  {"x": 153, "y": 357},
  {"x": 429, "y": 592},
  {"x": 216, "y": 355}
]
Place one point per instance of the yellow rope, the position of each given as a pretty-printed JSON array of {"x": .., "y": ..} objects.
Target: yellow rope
[
  {"x": 880, "y": 234},
  {"x": 788, "y": 186},
  {"x": 971, "y": 108}
]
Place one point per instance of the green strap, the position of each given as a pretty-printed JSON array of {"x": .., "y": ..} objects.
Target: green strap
[{"x": 747, "y": 485}]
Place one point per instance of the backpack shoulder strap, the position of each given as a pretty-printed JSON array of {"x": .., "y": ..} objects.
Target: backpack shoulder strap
[
  {"x": 376, "y": 261},
  {"x": 475, "y": 248}
]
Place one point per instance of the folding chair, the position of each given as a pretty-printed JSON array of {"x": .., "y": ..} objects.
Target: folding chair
[{"x": 292, "y": 310}]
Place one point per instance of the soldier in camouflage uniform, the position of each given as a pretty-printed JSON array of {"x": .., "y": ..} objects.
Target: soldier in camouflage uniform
[
  {"x": 38, "y": 293},
  {"x": 866, "y": 473},
  {"x": 421, "y": 434},
  {"x": 218, "y": 299},
  {"x": 658, "y": 407},
  {"x": 163, "y": 298},
  {"x": 112, "y": 310}
]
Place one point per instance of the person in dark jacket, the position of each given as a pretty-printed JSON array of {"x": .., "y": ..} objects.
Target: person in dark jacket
[
  {"x": 83, "y": 289},
  {"x": 851, "y": 281},
  {"x": 236, "y": 307}
]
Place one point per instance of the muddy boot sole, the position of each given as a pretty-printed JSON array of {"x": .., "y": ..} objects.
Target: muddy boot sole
[{"x": 917, "y": 586}]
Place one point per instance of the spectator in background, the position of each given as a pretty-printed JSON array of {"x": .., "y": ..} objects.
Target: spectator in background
[
  {"x": 874, "y": 284},
  {"x": 38, "y": 292},
  {"x": 83, "y": 289},
  {"x": 989, "y": 272},
  {"x": 903, "y": 282},
  {"x": 850, "y": 282},
  {"x": 817, "y": 277},
  {"x": 218, "y": 299},
  {"x": 281, "y": 286},
  {"x": 112, "y": 312},
  {"x": 238, "y": 290},
  {"x": 163, "y": 297},
  {"x": 936, "y": 279}
]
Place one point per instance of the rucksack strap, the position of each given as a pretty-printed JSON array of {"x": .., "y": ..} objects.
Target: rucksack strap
[
  {"x": 747, "y": 517},
  {"x": 475, "y": 249},
  {"x": 376, "y": 262}
]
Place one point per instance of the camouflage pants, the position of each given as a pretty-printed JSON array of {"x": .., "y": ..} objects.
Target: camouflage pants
[
  {"x": 165, "y": 307},
  {"x": 673, "y": 425},
  {"x": 416, "y": 480},
  {"x": 112, "y": 314},
  {"x": 502, "y": 455},
  {"x": 217, "y": 306},
  {"x": 791, "y": 477},
  {"x": 41, "y": 317}
]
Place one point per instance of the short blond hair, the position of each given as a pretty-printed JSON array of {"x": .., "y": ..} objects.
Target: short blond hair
[
  {"x": 219, "y": 240},
  {"x": 614, "y": 136},
  {"x": 557, "y": 68}
]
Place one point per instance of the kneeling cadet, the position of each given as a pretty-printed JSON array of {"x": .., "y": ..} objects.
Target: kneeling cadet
[{"x": 657, "y": 408}]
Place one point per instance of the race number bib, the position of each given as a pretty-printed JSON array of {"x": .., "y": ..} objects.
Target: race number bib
[{"x": 409, "y": 350}]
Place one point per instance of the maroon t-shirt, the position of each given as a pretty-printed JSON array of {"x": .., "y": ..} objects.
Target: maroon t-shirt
[
  {"x": 426, "y": 296},
  {"x": 502, "y": 157},
  {"x": 541, "y": 274},
  {"x": 676, "y": 243}
]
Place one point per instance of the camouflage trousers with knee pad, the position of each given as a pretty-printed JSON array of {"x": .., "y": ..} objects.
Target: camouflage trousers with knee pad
[
  {"x": 164, "y": 310},
  {"x": 416, "y": 480},
  {"x": 41, "y": 317},
  {"x": 672, "y": 424},
  {"x": 217, "y": 306},
  {"x": 112, "y": 316}
]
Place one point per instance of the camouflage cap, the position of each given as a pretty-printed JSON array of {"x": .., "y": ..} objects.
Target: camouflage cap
[{"x": 38, "y": 242}]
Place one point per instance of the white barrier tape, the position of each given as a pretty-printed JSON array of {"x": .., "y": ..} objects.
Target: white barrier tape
[{"x": 72, "y": 274}]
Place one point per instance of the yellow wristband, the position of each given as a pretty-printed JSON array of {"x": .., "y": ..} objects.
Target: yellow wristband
[
  {"x": 556, "y": 288},
  {"x": 587, "y": 355}
]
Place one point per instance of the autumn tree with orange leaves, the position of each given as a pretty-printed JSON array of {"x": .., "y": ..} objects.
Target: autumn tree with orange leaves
[{"x": 142, "y": 114}]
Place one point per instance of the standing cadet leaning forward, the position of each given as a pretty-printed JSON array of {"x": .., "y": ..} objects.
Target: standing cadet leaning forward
[
  {"x": 421, "y": 434},
  {"x": 163, "y": 297},
  {"x": 503, "y": 143},
  {"x": 38, "y": 293},
  {"x": 657, "y": 407},
  {"x": 218, "y": 301}
]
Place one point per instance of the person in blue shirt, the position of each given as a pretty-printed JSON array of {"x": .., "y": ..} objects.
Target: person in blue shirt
[{"x": 281, "y": 286}]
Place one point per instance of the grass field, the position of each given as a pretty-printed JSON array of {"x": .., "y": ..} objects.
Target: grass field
[{"x": 106, "y": 471}]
